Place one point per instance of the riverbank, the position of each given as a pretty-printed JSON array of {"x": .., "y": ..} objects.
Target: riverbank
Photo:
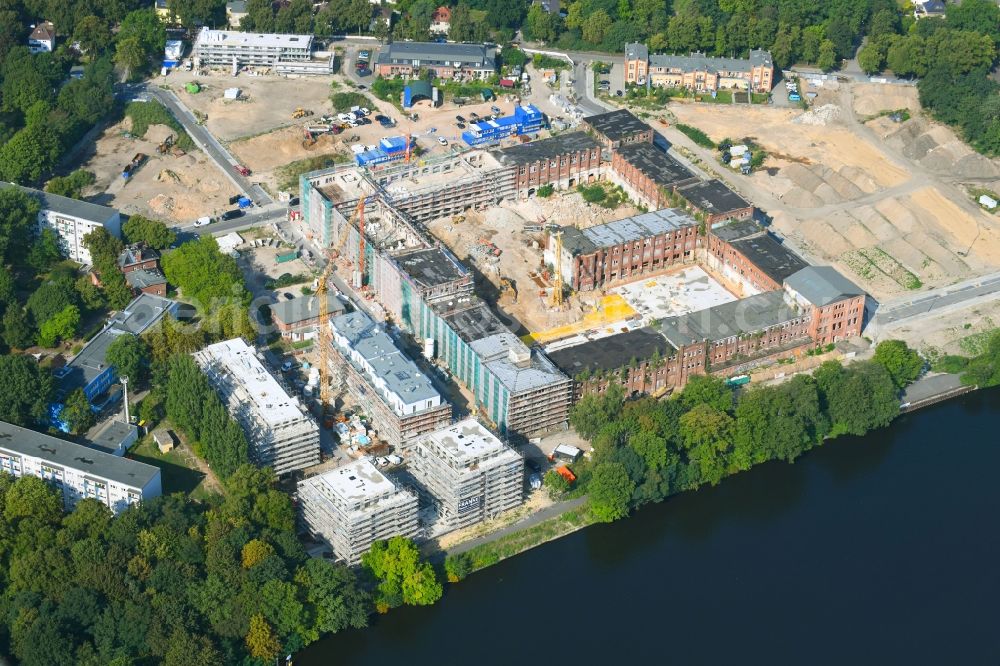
[{"x": 565, "y": 518}]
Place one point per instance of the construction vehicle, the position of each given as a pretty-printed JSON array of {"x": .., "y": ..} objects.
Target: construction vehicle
[
  {"x": 300, "y": 113},
  {"x": 508, "y": 290},
  {"x": 242, "y": 170},
  {"x": 164, "y": 147},
  {"x": 137, "y": 161},
  {"x": 310, "y": 139}
]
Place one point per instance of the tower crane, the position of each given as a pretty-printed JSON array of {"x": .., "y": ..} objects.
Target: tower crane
[
  {"x": 557, "y": 290},
  {"x": 325, "y": 334}
]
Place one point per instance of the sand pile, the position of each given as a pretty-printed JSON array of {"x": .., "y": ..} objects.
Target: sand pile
[
  {"x": 822, "y": 115},
  {"x": 936, "y": 147}
]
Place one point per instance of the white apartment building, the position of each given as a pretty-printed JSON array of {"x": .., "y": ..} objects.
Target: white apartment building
[
  {"x": 280, "y": 431},
  {"x": 215, "y": 48},
  {"x": 79, "y": 472},
  {"x": 399, "y": 398},
  {"x": 467, "y": 474},
  {"x": 71, "y": 220},
  {"x": 354, "y": 505}
]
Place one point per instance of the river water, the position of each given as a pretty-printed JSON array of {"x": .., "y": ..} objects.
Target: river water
[{"x": 874, "y": 550}]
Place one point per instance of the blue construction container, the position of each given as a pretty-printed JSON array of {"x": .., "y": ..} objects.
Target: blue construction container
[
  {"x": 393, "y": 144},
  {"x": 526, "y": 119}
]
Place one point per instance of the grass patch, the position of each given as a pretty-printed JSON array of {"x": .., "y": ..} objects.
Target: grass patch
[
  {"x": 975, "y": 344},
  {"x": 759, "y": 98},
  {"x": 600, "y": 193},
  {"x": 868, "y": 262},
  {"x": 490, "y": 553},
  {"x": 144, "y": 114},
  {"x": 344, "y": 101},
  {"x": 177, "y": 471},
  {"x": 977, "y": 192},
  {"x": 721, "y": 97},
  {"x": 696, "y": 135},
  {"x": 288, "y": 175},
  {"x": 541, "y": 61}
]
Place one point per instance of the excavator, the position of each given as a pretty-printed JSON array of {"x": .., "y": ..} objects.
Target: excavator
[
  {"x": 508, "y": 290},
  {"x": 301, "y": 113}
]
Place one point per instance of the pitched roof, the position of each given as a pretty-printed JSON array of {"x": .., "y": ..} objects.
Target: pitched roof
[
  {"x": 434, "y": 53},
  {"x": 43, "y": 31},
  {"x": 304, "y": 308},
  {"x": 699, "y": 62},
  {"x": 822, "y": 285}
]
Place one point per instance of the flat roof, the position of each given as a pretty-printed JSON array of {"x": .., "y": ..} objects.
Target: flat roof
[
  {"x": 822, "y": 285},
  {"x": 431, "y": 267},
  {"x": 747, "y": 315},
  {"x": 772, "y": 258},
  {"x": 236, "y": 366},
  {"x": 137, "y": 316},
  {"x": 712, "y": 196},
  {"x": 142, "y": 278},
  {"x": 736, "y": 230},
  {"x": 208, "y": 37},
  {"x": 305, "y": 308},
  {"x": 617, "y": 125},
  {"x": 535, "y": 371},
  {"x": 74, "y": 207},
  {"x": 467, "y": 442},
  {"x": 644, "y": 225},
  {"x": 473, "y": 323},
  {"x": 109, "y": 439},
  {"x": 401, "y": 375},
  {"x": 435, "y": 53},
  {"x": 612, "y": 352},
  {"x": 355, "y": 481},
  {"x": 76, "y": 456},
  {"x": 657, "y": 165},
  {"x": 534, "y": 151}
]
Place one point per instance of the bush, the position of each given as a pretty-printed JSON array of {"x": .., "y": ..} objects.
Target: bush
[
  {"x": 144, "y": 114},
  {"x": 548, "y": 62},
  {"x": 545, "y": 191},
  {"x": 696, "y": 135},
  {"x": 457, "y": 567},
  {"x": 344, "y": 101},
  {"x": 288, "y": 175},
  {"x": 388, "y": 90},
  {"x": 951, "y": 363}
]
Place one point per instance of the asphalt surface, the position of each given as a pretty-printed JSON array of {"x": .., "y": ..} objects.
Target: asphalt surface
[
  {"x": 204, "y": 140},
  {"x": 939, "y": 298}
]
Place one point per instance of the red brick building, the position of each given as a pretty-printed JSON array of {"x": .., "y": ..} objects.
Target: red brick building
[
  {"x": 715, "y": 202},
  {"x": 838, "y": 305},
  {"x": 649, "y": 174},
  {"x": 749, "y": 256},
  {"x": 595, "y": 257},
  {"x": 563, "y": 161},
  {"x": 296, "y": 319},
  {"x": 617, "y": 128}
]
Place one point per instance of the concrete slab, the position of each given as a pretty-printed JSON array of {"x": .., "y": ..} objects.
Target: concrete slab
[{"x": 688, "y": 290}]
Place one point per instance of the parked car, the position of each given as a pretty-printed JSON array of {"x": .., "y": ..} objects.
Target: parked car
[
  {"x": 495, "y": 109},
  {"x": 460, "y": 125},
  {"x": 231, "y": 214},
  {"x": 294, "y": 201},
  {"x": 443, "y": 141},
  {"x": 364, "y": 55},
  {"x": 460, "y": 119},
  {"x": 202, "y": 221},
  {"x": 288, "y": 295}
]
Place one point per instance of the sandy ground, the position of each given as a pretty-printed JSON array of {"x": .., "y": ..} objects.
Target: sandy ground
[
  {"x": 878, "y": 200},
  {"x": 173, "y": 189},
  {"x": 521, "y": 258},
  {"x": 943, "y": 333}
]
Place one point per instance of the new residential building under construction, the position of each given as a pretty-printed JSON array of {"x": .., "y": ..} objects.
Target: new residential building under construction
[
  {"x": 467, "y": 473},
  {"x": 280, "y": 431},
  {"x": 354, "y": 505}
]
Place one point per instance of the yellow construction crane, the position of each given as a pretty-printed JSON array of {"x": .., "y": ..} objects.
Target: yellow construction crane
[
  {"x": 557, "y": 290},
  {"x": 325, "y": 334}
]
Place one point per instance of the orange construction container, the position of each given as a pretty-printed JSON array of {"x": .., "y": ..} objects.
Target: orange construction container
[{"x": 566, "y": 473}]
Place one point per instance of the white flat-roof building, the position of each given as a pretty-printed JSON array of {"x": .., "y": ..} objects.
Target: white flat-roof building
[
  {"x": 79, "y": 472},
  {"x": 223, "y": 48},
  {"x": 467, "y": 473},
  {"x": 280, "y": 431},
  {"x": 354, "y": 505},
  {"x": 71, "y": 220}
]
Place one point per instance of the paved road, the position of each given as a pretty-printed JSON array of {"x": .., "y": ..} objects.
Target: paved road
[
  {"x": 930, "y": 301},
  {"x": 255, "y": 218},
  {"x": 208, "y": 143},
  {"x": 534, "y": 519}
]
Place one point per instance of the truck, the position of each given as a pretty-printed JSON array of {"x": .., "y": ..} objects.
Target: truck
[
  {"x": 242, "y": 170},
  {"x": 137, "y": 161},
  {"x": 244, "y": 202}
]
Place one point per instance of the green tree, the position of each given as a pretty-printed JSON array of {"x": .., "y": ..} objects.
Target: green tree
[
  {"x": 871, "y": 57},
  {"x": 403, "y": 577},
  {"x": 707, "y": 390},
  {"x": 861, "y": 398},
  {"x": 76, "y": 412},
  {"x": 155, "y": 234},
  {"x": 596, "y": 26},
  {"x": 903, "y": 364},
  {"x": 187, "y": 393},
  {"x": 71, "y": 186},
  {"x": 261, "y": 640},
  {"x": 707, "y": 435},
  {"x": 130, "y": 357},
  {"x": 18, "y": 331},
  {"x": 595, "y": 411},
  {"x": 89, "y": 295},
  {"x": 61, "y": 326},
  {"x": 50, "y": 299},
  {"x": 610, "y": 490},
  {"x": 826, "y": 59},
  {"x": 25, "y": 392},
  {"x": 45, "y": 251},
  {"x": 93, "y": 35},
  {"x": 31, "y": 498},
  {"x": 130, "y": 55},
  {"x": 18, "y": 218}
]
